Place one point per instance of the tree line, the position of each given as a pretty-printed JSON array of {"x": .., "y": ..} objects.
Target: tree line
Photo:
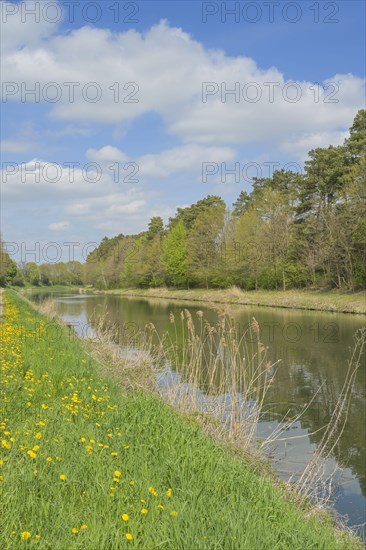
[{"x": 291, "y": 231}]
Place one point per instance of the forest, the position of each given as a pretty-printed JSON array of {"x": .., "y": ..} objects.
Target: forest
[{"x": 292, "y": 230}]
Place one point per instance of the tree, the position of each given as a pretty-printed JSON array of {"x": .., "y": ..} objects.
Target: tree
[
  {"x": 175, "y": 254},
  {"x": 356, "y": 143},
  {"x": 189, "y": 214},
  {"x": 155, "y": 227},
  {"x": 8, "y": 268},
  {"x": 324, "y": 177},
  {"x": 204, "y": 244},
  {"x": 240, "y": 206}
]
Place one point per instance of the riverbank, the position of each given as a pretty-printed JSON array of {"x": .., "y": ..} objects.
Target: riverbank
[
  {"x": 293, "y": 299},
  {"x": 85, "y": 464}
]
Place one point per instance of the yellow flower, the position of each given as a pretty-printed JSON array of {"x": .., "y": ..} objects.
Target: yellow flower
[
  {"x": 132, "y": 483},
  {"x": 25, "y": 535},
  {"x": 82, "y": 440},
  {"x": 84, "y": 526},
  {"x": 125, "y": 517},
  {"x": 144, "y": 511},
  {"x": 129, "y": 536},
  {"x": 169, "y": 493},
  {"x": 161, "y": 507},
  {"x": 37, "y": 537},
  {"x": 173, "y": 513},
  {"x": 35, "y": 448},
  {"x": 117, "y": 473},
  {"x": 49, "y": 459},
  {"x": 1, "y": 462},
  {"x": 63, "y": 477},
  {"x": 38, "y": 435},
  {"x": 74, "y": 530},
  {"x": 32, "y": 454},
  {"x": 6, "y": 444},
  {"x": 116, "y": 479},
  {"x": 114, "y": 454}
]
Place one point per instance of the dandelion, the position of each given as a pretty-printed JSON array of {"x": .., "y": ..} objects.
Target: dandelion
[
  {"x": 125, "y": 517},
  {"x": 160, "y": 507},
  {"x": 74, "y": 530},
  {"x": 6, "y": 444},
  {"x": 38, "y": 435},
  {"x": 37, "y": 536},
  {"x": 173, "y": 513},
  {"x": 129, "y": 536},
  {"x": 117, "y": 473},
  {"x": 63, "y": 477},
  {"x": 132, "y": 483},
  {"x": 84, "y": 526},
  {"x": 82, "y": 440},
  {"x": 25, "y": 535},
  {"x": 32, "y": 454},
  {"x": 169, "y": 493},
  {"x": 144, "y": 511},
  {"x": 49, "y": 459},
  {"x": 114, "y": 454}
]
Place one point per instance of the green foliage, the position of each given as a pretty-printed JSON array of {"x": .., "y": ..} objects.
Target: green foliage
[
  {"x": 8, "y": 268},
  {"x": 293, "y": 230},
  {"x": 175, "y": 254}
]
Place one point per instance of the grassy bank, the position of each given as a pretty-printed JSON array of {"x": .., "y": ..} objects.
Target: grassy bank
[
  {"x": 353, "y": 302},
  {"x": 85, "y": 465}
]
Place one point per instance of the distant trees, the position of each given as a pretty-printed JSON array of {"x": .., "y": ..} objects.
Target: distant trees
[
  {"x": 8, "y": 268},
  {"x": 68, "y": 273},
  {"x": 175, "y": 254},
  {"x": 292, "y": 230}
]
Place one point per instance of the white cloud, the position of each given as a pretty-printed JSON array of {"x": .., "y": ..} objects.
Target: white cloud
[
  {"x": 299, "y": 148},
  {"x": 182, "y": 159},
  {"x": 169, "y": 68},
  {"x": 19, "y": 28},
  {"x": 106, "y": 154},
  {"x": 59, "y": 226}
]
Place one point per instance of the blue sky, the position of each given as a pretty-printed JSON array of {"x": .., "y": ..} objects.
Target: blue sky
[{"x": 149, "y": 149}]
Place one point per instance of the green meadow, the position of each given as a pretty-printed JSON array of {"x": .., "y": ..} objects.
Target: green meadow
[{"x": 85, "y": 464}]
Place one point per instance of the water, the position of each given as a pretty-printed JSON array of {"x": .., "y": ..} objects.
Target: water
[{"x": 312, "y": 349}]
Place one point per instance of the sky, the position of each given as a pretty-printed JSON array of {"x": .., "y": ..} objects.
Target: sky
[{"x": 114, "y": 112}]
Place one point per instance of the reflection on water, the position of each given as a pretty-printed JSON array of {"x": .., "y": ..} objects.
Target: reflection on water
[{"x": 312, "y": 349}]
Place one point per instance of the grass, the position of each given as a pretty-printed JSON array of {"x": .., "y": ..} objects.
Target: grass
[
  {"x": 338, "y": 301},
  {"x": 82, "y": 461}
]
